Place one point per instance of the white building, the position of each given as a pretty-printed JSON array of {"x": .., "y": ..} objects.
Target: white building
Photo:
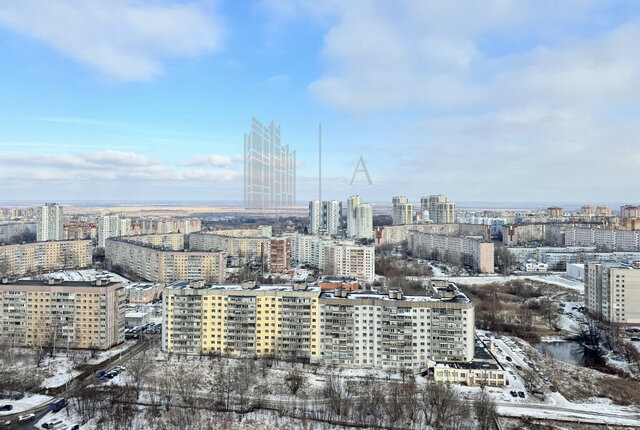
[
  {"x": 325, "y": 217},
  {"x": 613, "y": 290},
  {"x": 50, "y": 223},
  {"x": 359, "y": 219},
  {"x": 350, "y": 260},
  {"x": 575, "y": 271},
  {"x": 109, "y": 227},
  {"x": 402, "y": 212}
]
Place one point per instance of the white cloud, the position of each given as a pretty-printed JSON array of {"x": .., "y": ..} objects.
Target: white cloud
[
  {"x": 106, "y": 166},
  {"x": 125, "y": 40},
  {"x": 214, "y": 160}
]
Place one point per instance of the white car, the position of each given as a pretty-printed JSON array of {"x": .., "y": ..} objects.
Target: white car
[{"x": 25, "y": 417}]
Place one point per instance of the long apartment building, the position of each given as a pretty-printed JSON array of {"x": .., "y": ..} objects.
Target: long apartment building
[
  {"x": 469, "y": 251},
  {"x": 158, "y": 265},
  {"x": 350, "y": 329},
  {"x": 396, "y": 234},
  {"x": 248, "y": 243},
  {"x": 71, "y": 314},
  {"x": 169, "y": 241},
  {"x": 38, "y": 257},
  {"x": 612, "y": 289}
]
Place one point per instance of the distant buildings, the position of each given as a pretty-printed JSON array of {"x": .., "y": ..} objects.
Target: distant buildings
[
  {"x": 341, "y": 328},
  {"x": 252, "y": 244},
  {"x": 402, "y": 211},
  {"x": 50, "y": 222},
  {"x": 269, "y": 169},
  {"x": 38, "y": 257},
  {"x": 440, "y": 210},
  {"x": 89, "y": 315},
  {"x": 109, "y": 227},
  {"x": 630, "y": 211},
  {"x": 613, "y": 291},
  {"x": 359, "y": 219},
  {"x": 325, "y": 217},
  {"x": 555, "y": 212},
  {"x": 115, "y": 225}
]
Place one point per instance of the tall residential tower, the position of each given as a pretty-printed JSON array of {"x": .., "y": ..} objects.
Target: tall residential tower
[
  {"x": 359, "y": 218},
  {"x": 50, "y": 222}
]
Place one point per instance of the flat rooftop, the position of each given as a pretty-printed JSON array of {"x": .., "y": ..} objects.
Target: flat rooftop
[{"x": 59, "y": 283}]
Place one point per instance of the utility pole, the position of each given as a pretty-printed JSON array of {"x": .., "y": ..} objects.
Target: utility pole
[{"x": 320, "y": 162}]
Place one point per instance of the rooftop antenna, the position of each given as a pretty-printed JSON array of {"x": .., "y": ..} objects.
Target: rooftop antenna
[{"x": 320, "y": 161}]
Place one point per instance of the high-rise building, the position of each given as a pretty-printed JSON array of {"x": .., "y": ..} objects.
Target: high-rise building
[
  {"x": 280, "y": 254},
  {"x": 109, "y": 227},
  {"x": 603, "y": 211},
  {"x": 440, "y": 210},
  {"x": 402, "y": 212},
  {"x": 612, "y": 290},
  {"x": 50, "y": 223},
  {"x": 74, "y": 314},
  {"x": 555, "y": 212},
  {"x": 269, "y": 169},
  {"x": 587, "y": 210},
  {"x": 630, "y": 211},
  {"x": 359, "y": 218},
  {"x": 325, "y": 217}
]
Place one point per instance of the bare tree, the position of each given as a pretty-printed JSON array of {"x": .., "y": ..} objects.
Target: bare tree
[
  {"x": 295, "y": 380},
  {"x": 485, "y": 411}
]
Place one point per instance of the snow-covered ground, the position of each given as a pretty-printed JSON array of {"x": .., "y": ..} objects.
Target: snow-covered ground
[{"x": 24, "y": 404}]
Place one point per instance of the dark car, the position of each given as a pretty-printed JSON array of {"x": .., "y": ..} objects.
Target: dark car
[
  {"x": 6, "y": 407},
  {"x": 514, "y": 394},
  {"x": 521, "y": 394},
  {"x": 518, "y": 367},
  {"x": 508, "y": 358},
  {"x": 553, "y": 389}
]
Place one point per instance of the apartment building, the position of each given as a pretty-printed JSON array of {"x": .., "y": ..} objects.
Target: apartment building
[
  {"x": 397, "y": 234},
  {"x": 612, "y": 289},
  {"x": 350, "y": 260},
  {"x": 50, "y": 222},
  {"x": 630, "y": 211},
  {"x": 325, "y": 217},
  {"x": 109, "y": 226},
  {"x": 143, "y": 292},
  {"x": 402, "y": 211},
  {"x": 339, "y": 258},
  {"x": 439, "y": 209},
  {"x": 348, "y": 329},
  {"x": 359, "y": 219},
  {"x": 87, "y": 315},
  {"x": 279, "y": 254},
  {"x": 251, "y": 244},
  {"x": 157, "y": 265},
  {"x": 170, "y": 241},
  {"x": 38, "y": 257},
  {"x": 469, "y": 251}
]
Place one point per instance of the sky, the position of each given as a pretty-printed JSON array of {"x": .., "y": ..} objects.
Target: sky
[{"x": 493, "y": 101}]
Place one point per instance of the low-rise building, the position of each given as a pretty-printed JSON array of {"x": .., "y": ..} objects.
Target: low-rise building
[
  {"x": 334, "y": 282},
  {"x": 72, "y": 314},
  {"x": 144, "y": 292}
]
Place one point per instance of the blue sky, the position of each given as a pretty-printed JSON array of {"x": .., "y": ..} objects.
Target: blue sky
[{"x": 483, "y": 101}]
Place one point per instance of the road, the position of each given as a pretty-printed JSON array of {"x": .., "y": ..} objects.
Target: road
[{"x": 76, "y": 384}]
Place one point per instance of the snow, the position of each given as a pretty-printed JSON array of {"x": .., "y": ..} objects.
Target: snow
[
  {"x": 26, "y": 403},
  {"x": 83, "y": 275}
]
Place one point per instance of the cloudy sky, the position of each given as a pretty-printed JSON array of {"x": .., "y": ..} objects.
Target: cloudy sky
[{"x": 496, "y": 100}]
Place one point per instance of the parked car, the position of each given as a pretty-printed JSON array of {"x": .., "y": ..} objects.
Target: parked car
[
  {"x": 57, "y": 405},
  {"x": 521, "y": 394},
  {"x": 51, "y": 424},
  {"x": 509, "y": 358},
  {"x": 553, "y": 389},
  {"x": 514, "y": 394},
  {"x": 5, "y": 424},
  {"x": 6, "y": 407},
  {"x": 518, "y": 367},
  {"x": 76, "y": 427},
  {"x": 100, "y": 374},
  {"x": 25, "y": 417}
]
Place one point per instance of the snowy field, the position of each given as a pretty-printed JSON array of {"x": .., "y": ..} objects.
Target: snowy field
[{"x": 25, "y": 403}]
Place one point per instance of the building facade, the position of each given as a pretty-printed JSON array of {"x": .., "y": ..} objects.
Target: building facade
[
  {"x": 467, "y": 251},
  {"x": 269, "y": 169},
  {"x": 280, "y": 254},
  {"x": 402, "y": 211},
  {"x": 66, "y": 314},
  {"x": 359, "y": 219},
  {"x": 157, "y": 265},
  {"x": 50, "y": 223},
  {"x": 612, "y": 290},
  {"x": 347, "y": 329},
  {"x": 39, "y": 257},
  {"x": 325, "y": 217},
  {"x": 440, "y": 210}
]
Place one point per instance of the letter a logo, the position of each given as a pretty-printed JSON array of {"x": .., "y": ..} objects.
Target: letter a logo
[{"x": 364, "y": 169}]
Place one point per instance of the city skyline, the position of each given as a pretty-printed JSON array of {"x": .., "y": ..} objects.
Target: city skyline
[{"x": 515, "y": 99}]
